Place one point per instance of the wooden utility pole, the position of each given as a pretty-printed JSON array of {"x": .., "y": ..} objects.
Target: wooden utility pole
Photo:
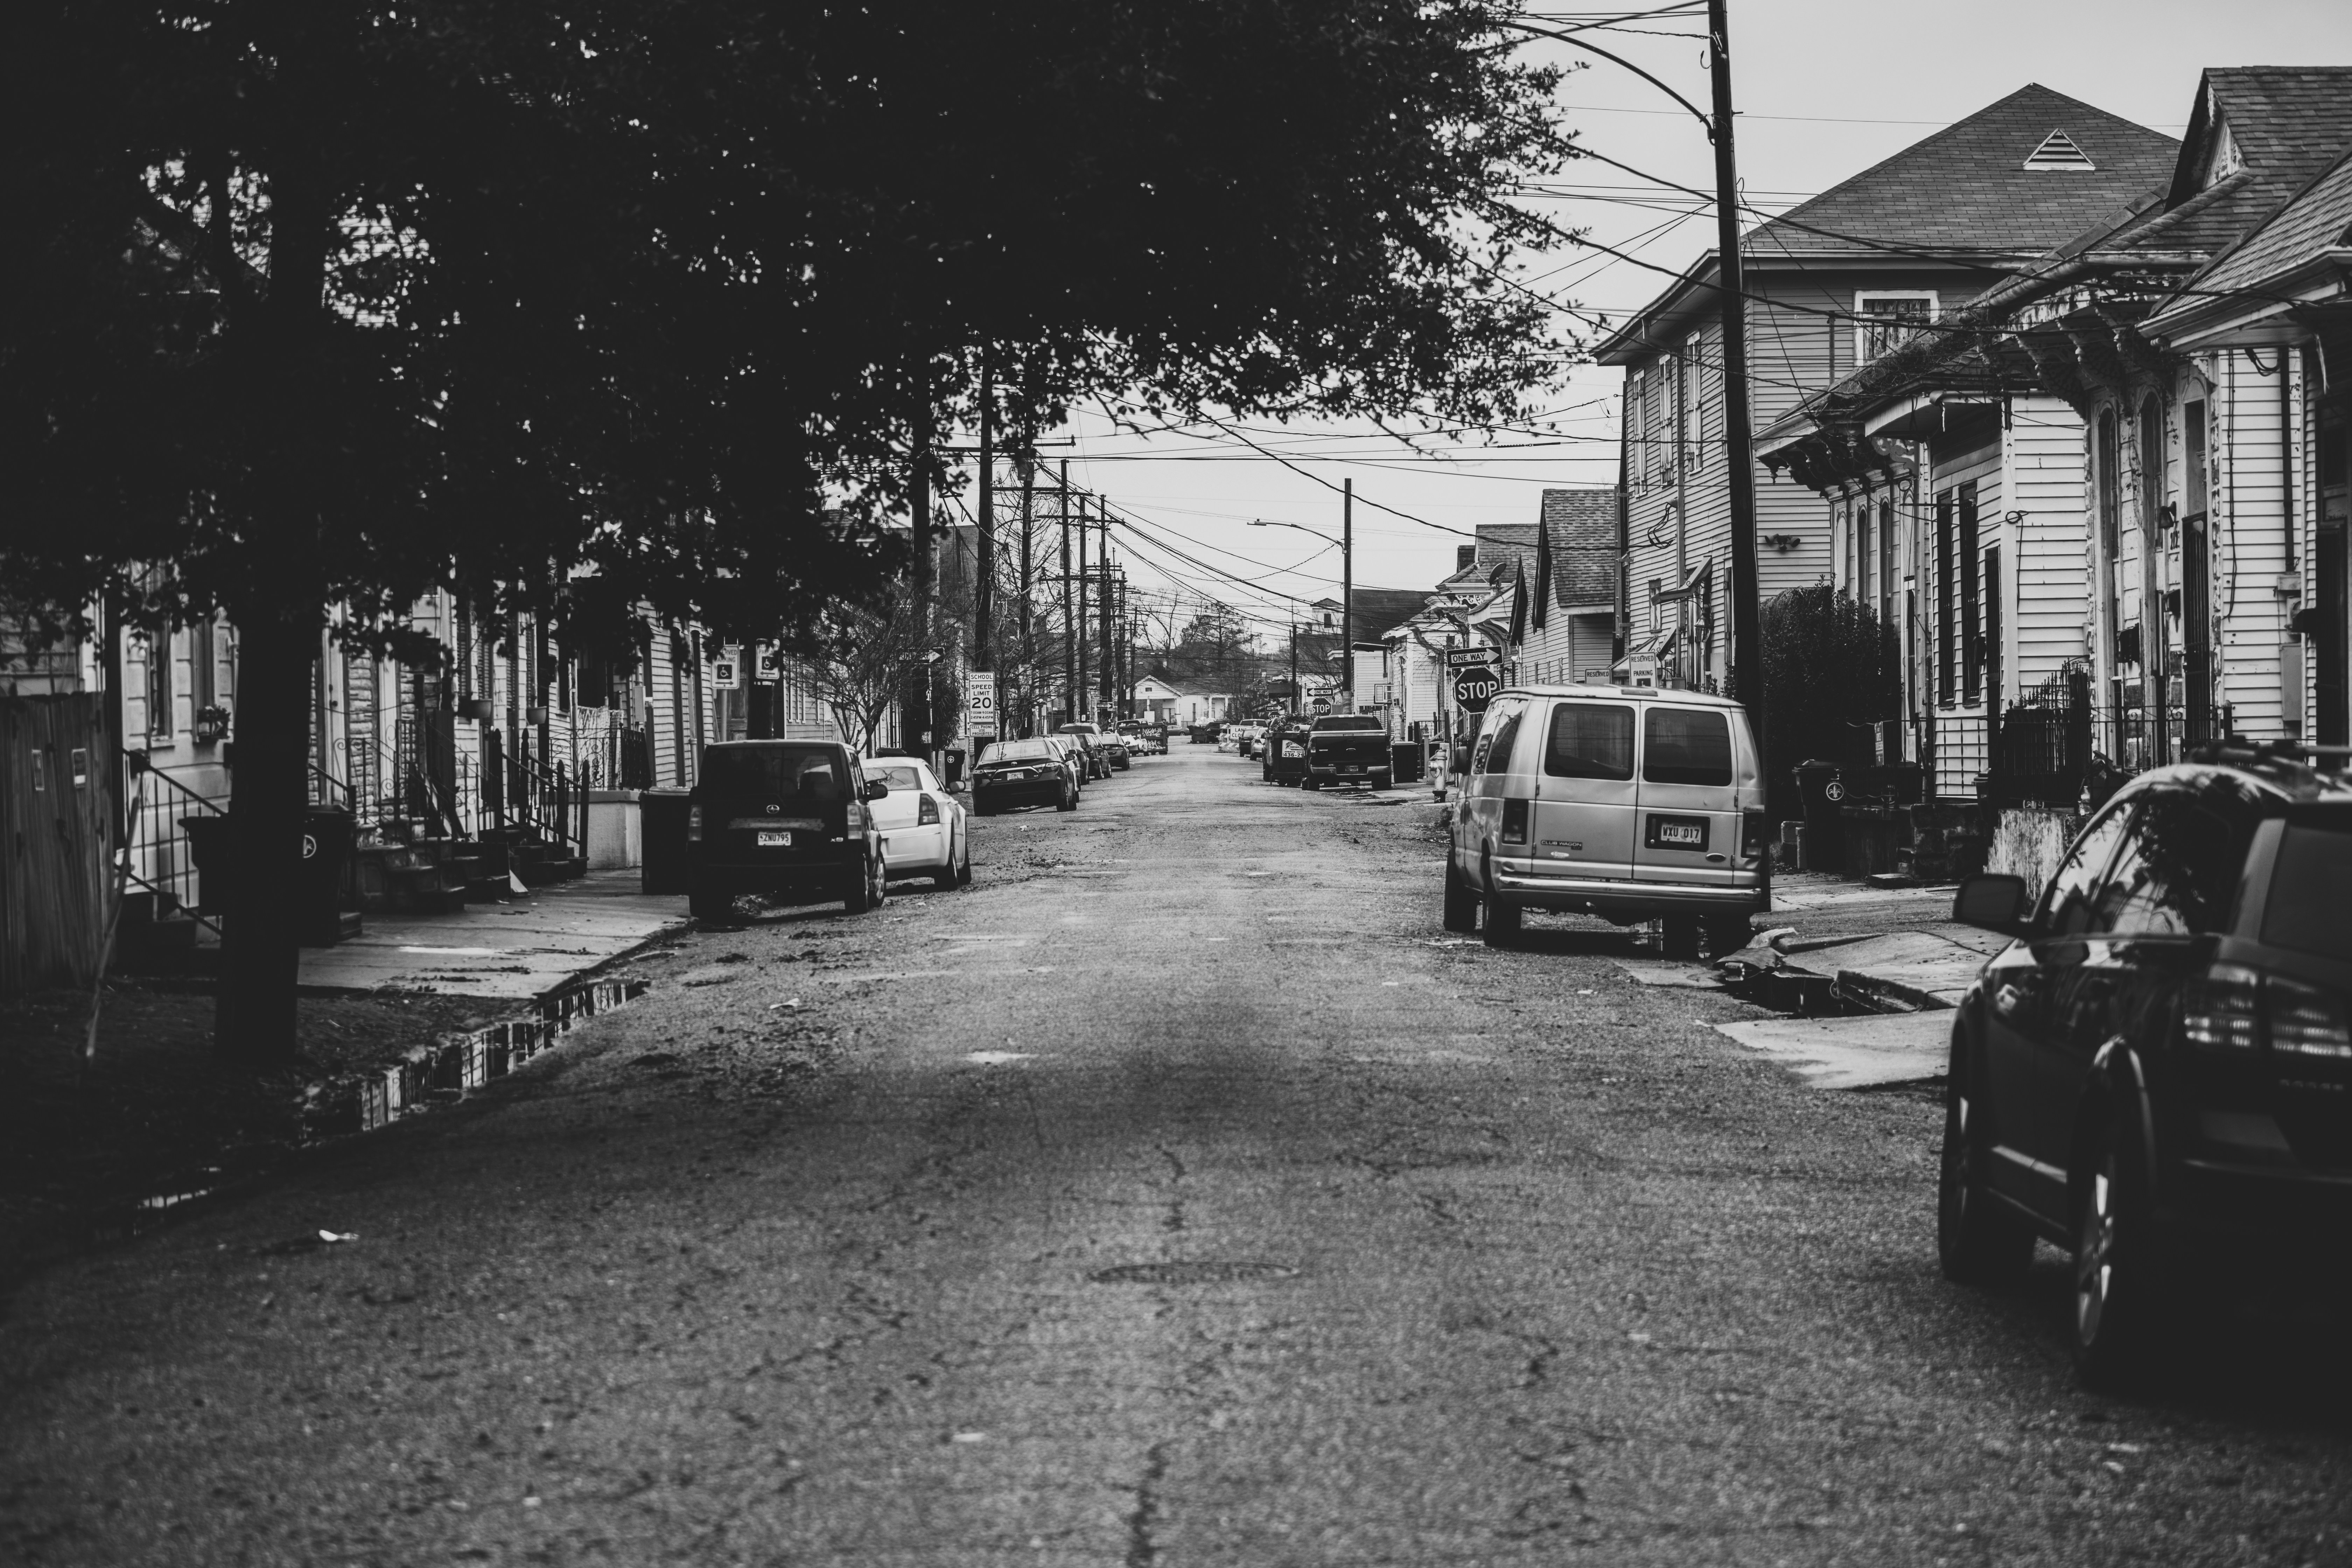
[
  {"x": 1103, "y": 611},
  {"x": 1069, "y": 620},
  {"x": 1079, "y": 689},
  {"x": 984, "y": 598},
  {"x": 1028, "y": 528},
  {"x": 1746, "y": 632},
  {"x": 1348, "y": 594},
  {"x": 916, "y": 696}
]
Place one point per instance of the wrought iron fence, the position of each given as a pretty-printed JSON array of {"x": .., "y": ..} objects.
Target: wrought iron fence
[
  {"x": 158, "y": 854},
  {"x": 2045, "y": 741}
]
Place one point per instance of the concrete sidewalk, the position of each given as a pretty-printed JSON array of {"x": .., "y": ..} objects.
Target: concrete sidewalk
[{"x": 519, "y": 949}]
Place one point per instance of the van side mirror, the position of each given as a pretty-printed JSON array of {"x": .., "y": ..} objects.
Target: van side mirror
[
  {"x": 1993, "y": 901},
  {"x": 876, "y": 789},
  {"x": 1459, "y": 761}
]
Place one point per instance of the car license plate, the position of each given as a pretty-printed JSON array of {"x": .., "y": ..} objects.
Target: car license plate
[
  {"x": 774, "y": 840},
  {"x": 1681, "y": 833},
  {"x": 1352, "y": 767}
]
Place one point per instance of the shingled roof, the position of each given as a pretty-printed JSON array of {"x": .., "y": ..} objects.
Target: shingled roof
[
  {"x": 2279, "y": 125},
  {"x": 1965, "y": 191},
  {"x": 1963, "y": 195},
  {"x": 1582, "y": 524}
]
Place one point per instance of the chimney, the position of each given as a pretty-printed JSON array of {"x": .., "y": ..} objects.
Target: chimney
[{"x": 1464, "y": 557}]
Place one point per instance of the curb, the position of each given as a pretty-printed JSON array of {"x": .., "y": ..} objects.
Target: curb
[
  {"x": 441, "y": 1073},
  {"x": 1881, "y": 995}
]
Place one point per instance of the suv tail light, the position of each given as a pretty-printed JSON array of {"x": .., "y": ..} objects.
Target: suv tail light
[
  {"x": 1514, "y": 822},
  {"x": 2305, "y": 1021},
  {"x": 2234, "y": 1008},
  {"x": 693, "y": 823},
  {"x": 928, "y": 812}
]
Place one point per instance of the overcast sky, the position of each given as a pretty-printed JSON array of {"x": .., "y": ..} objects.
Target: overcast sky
[{"x": 1825, "y": 89}]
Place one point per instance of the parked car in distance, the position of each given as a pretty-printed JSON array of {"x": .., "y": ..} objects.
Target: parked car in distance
[
  {"x": 1246, "y": 738},
  {"x": 1347, "y": 748},
  {"x": 1088, "y": 738},
  {"x": 1074, "y": 757},
  {"x": 923, "y": 824},
  {"x": 2157, "y": 1074},
  {"x": 792, "y": 818},
  {"x": 1115, "y": 751},
  {"x": 1014, "y": 773},
  {"x": 1629, "y": 803},
  {"x": 1212, "y": 733}
]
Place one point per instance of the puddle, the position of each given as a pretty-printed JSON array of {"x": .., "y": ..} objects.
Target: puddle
[{"x": 999, "y": 1058}]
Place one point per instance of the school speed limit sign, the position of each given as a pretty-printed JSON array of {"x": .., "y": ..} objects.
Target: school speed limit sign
[{"x": 1475, "y": 688}]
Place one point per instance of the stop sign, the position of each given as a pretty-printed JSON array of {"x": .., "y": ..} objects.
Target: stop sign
[{"x": 1474, "y": 688}]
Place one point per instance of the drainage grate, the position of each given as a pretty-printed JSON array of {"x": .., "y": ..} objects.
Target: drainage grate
[{"x": 1204, "y": 1271}]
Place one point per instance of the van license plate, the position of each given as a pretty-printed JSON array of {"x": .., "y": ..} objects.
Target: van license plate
[
  {"x": 774, "y": 840},
  {"x": 1687, "y": 833}
]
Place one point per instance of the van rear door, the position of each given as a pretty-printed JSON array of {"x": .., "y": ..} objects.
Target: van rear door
[
  {"x": 1688, "y": 801},
  {"x": 1585, "y": 792}
]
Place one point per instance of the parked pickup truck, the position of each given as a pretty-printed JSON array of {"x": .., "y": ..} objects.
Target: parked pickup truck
[{"x": 1348, "y": 748}]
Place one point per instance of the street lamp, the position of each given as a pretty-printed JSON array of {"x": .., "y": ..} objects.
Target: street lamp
[{"x": 1347, "y": 543}]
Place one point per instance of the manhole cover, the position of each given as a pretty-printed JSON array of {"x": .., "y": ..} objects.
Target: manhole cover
[{"x": 1209, "y": 1271}]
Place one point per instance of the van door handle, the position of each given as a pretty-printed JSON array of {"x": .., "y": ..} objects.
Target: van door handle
[{"x": 1716, "y": 859}]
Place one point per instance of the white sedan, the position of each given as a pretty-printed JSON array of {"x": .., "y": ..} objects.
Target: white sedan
[{"x": 924, "y": 832}]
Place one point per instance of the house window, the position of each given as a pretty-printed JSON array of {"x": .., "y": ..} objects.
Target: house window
[
  {"x": 1947, "y": 617},
  {"x": 1972, "y": 649},
  {"x": 2109, "y": 489},
  {"x": 1885, "y": 321},
  {"x": 158, "y": 684},
  {"x": 2193, "y": 467},
  {"x": 1885, "y": 559}
]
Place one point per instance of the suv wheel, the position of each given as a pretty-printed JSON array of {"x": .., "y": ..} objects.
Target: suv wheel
[
  {"x": 858, "y": 897},
  {"x": 1978, "y": 1241},
  {"x": 2118, "y": 1297},
  {"x": 1461, "y": 903},
  {"x": 1499, "y": 914}
]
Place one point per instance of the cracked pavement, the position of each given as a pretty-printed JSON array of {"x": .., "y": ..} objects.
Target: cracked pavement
[{"x": 1179, "y": 1194}]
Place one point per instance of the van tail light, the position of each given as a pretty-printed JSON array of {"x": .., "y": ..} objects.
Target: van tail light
[
  {"x": 928, "y": 814},
  {"x": 1514, "y": 822},
  {"x": 1752, "y": 834},
  {"x": 2233, "y": 1008},
  {"x": 2305, "y": 1021},
  {"x": 693, "y": 823}
]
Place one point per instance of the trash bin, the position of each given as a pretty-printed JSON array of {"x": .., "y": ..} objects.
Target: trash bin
[
  {"x": 1404, "y": 763},
  {"x": 327, "y": 840},
  {"x": 661, "y": 820},
  {"x": 1819, "y": 790}
]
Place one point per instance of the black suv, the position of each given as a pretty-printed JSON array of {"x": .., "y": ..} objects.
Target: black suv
[
  {"x": 786, "y": 818},
  {"x": 2156, "y": 1074}
]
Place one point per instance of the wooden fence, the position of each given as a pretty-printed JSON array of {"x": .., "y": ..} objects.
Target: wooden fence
[{"x": 57, "y": 839}]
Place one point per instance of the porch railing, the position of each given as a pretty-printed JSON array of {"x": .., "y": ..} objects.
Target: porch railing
[{"x": 157, "y": 855}]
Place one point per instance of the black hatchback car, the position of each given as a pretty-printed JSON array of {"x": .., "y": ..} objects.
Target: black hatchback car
[
  {"x": 2156, "y": 1074},
  {"x": 785, "y": 818},
  {"x": 1014, "y": 773}
]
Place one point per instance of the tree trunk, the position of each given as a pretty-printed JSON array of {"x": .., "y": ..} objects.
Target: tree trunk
[{"x": 253, "y": 1016}]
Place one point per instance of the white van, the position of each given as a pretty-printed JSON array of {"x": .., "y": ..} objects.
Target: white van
[{"x": 1629, "y": 803}]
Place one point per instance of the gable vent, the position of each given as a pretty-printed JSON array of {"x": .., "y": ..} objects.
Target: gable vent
[{"x": 2058, "y": 151}]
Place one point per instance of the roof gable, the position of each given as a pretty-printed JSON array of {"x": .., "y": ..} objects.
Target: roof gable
[
  {"x": 1972, "y": 190},
  {"x": 1583, "y": 529}
]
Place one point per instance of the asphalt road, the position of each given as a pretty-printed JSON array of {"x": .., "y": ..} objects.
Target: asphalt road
[{"x": 1179, "y": 1194}]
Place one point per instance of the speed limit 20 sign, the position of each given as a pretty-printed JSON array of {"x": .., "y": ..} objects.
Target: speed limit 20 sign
[{"x": 1475, "y": 688}]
